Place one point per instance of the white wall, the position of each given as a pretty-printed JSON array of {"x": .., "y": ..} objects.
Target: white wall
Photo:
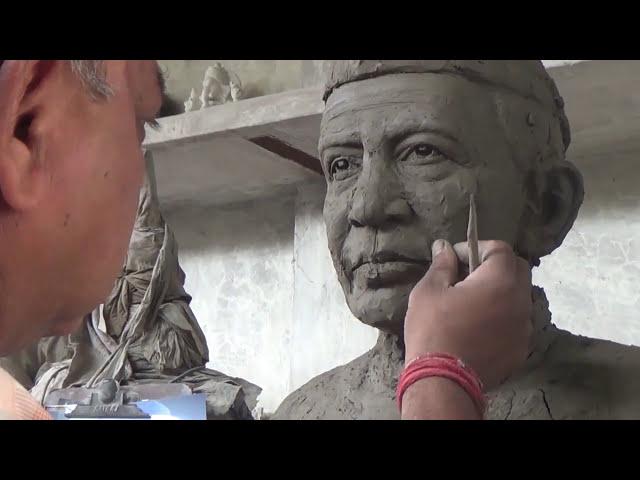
[
  {"x": 593, "y": 280},
  {"x": 271, "y": 307},
  {"x": 559, "y": 63},
  {"x": 325, "y": 333},
  {"x": 238, "y": 265}
]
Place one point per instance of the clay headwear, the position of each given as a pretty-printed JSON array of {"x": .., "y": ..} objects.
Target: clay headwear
[{"x": 526, "y": 78}]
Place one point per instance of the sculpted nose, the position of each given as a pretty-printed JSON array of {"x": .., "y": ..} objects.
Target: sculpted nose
[{"x": 377, "y": 201}]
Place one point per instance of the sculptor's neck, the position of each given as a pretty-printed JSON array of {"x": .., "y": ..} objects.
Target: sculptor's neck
[
  {"x": 391, "y": 346},
  {"x": 15, "y": 313}
]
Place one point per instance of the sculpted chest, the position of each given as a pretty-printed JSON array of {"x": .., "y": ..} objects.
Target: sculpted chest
[{"x": 576, "y": 379}]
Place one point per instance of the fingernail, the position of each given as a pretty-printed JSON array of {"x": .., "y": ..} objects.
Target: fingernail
[{"x": 436, "y": 248}]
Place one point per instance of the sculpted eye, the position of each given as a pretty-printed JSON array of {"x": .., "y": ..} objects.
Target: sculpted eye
[
  {"x": 341, "y": 168},
  {"x": 340, "y": 164},
  {"x": 424, "y": 152}
]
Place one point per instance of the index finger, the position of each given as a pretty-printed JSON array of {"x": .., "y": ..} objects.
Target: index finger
[
  {"x": 497, "y": 260},
  {"x": 486, "y": 249},
  {"x": 500, "y": 265}
]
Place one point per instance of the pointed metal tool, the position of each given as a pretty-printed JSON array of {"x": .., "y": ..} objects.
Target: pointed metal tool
[{"x": 472, "y": 236}]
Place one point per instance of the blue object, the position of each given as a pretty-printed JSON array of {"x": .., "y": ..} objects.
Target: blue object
[{"x": 184, "y": 407}]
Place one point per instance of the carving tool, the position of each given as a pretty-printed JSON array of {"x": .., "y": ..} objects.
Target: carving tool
[{"x": 472, "y": 236}]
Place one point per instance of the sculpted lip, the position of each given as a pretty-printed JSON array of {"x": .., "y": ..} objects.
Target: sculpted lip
[
  {"x": 384, "y": 257},
  {"x": 387, "y": 270}
]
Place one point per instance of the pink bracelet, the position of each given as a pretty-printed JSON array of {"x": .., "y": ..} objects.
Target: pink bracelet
[{"x": 444, "y": 366}]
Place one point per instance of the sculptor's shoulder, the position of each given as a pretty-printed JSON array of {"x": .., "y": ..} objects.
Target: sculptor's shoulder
[{"x": 343, "y": 393}]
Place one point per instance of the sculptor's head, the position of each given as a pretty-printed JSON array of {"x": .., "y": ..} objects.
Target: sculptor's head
[
  {"x": 71, "y": 168},
  {"x": 404, "y": 143}
]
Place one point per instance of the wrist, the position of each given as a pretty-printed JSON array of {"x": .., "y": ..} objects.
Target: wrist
[
  {"x": 420, "y": 346},
  {"x": 437, "y": 398},
  {"x": 446, "y": 367}
]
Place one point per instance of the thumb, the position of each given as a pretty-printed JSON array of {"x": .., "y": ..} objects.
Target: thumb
[{"x": 443, "y": 272}]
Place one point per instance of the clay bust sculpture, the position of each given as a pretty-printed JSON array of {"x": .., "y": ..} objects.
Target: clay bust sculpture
[
  {"x": 146, "y": 332},
  {"x": 403, "y": 144}
]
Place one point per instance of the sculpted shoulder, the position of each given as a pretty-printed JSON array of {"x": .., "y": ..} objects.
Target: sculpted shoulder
[
  {"x": 348, "y": 392},
  {"x": 575, "y": 378},
  {"x": 580, "y": 378}
]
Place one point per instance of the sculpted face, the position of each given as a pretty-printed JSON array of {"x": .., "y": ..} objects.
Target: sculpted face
[{"x": 401, "y": 155}]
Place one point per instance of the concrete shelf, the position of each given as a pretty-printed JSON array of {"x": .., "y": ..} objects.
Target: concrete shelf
[{"x": 238, "y": 151}]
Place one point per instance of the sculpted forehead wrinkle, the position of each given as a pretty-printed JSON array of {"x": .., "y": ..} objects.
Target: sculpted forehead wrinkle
[
  {"x": 391, "y": 107},
  {"x": 400, "y": 89},
  {"x": 340, "y": 138}
]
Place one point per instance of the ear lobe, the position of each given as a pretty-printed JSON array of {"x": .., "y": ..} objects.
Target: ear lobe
[{"x": 21, "y": 178}]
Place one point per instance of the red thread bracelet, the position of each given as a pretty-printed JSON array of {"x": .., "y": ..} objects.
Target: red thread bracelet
[{"x": 444, "y": 366}]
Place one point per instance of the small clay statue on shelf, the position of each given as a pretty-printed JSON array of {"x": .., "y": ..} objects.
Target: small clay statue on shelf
[
  {"x": 236, "y": 91},
  {"x": 190, "y": 103},
  {"x": 212, "y": 88},
  {"x": 220, "y": 86}
]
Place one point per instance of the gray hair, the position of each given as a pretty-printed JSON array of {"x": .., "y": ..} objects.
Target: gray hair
[{"x": 93, "y": 76}]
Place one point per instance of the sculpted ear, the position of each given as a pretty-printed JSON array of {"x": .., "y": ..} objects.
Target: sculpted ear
[{"x": 551, "y": 215}]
